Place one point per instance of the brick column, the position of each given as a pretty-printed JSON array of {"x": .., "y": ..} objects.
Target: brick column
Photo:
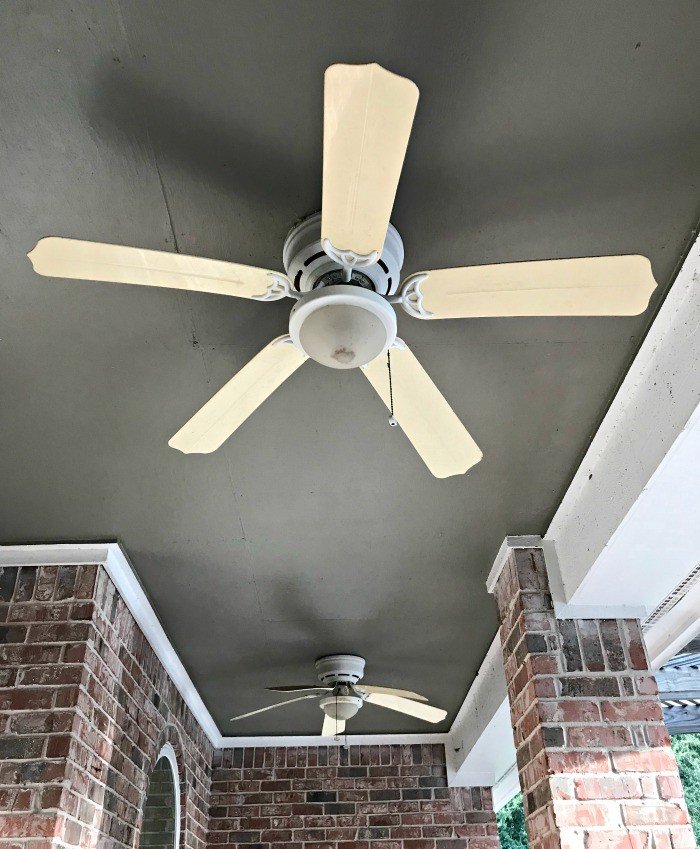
[
  {"x": 594, "y": 760},
  {"x": 85, "y": 706}
]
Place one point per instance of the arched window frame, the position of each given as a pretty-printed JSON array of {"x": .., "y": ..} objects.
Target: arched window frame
[{"x": 168, "y": 752}]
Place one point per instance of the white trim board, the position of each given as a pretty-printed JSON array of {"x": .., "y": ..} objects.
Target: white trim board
[
  {"x": 352, "y": 740},
  {"x": 508, "y": 544},
  {"x": 507, "y": 786},
  {"x": 168, "y": 752},
  {"x": 675, "y": 629},
  {"x": 113, "y": 558}
]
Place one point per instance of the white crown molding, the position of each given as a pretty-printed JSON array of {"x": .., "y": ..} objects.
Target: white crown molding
[
  {"x": 116, "y": 563},
  {"x": 351, "y": 739}
]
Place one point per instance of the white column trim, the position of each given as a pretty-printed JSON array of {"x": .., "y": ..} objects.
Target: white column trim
[
  {"x": 507, "y": 786},
  {"x": 508, "y": 544},
  {"x": 562, "y": 608}
]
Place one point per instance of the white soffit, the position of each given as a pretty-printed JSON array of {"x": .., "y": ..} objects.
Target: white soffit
[
  {"x": 112, "y": 557},
  {"x": 627, "y": 530}
]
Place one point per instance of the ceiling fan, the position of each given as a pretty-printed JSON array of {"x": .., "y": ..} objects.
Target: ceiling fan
[
  {"x": 343, "y": 269},
  {"x": 340, "y": 696}
]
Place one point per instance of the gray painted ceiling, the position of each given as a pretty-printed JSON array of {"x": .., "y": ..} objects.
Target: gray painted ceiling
[{"x": 544, "y": 130}]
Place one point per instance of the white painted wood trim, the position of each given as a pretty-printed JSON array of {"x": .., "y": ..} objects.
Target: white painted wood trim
[
  {"x": 675, "y": 629},
  {"x": 352, "y": 740},
  {"x": 507, "y": 786},
  {"x": 562, "y": 608},
  {"x": 168, "y": 752},
  {"x": 113, "y": 558},
  {"x": 508, "y": 544}
]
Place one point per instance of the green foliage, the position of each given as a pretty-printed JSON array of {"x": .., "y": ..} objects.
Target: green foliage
[
  {"x": 511, "y": 824},
  {"x": 686, "y": 748}
]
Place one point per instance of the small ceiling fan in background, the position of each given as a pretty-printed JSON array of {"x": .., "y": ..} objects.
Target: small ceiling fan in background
[
  {"x": 340, "y": 696},
  {"x": 343, "y": 269}
]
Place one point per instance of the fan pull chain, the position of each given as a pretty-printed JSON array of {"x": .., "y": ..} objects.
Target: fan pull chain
[{"x": 392, "y": 418}]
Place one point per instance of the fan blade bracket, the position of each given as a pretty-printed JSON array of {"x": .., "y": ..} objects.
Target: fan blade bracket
[
  {"x": 348, "y": 258},
  {"x": 411, "y": 296},
  {"x": 280, "y": 287}
]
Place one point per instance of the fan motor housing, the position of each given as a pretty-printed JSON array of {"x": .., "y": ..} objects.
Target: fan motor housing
[
  {"x": 309, "y": 267},
  {"x": 340, "y": 669}
]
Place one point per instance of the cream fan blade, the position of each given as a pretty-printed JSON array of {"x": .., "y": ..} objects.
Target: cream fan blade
[
  {"x": 390, "y": 691},
  {"x": 332, "y": 727},
  {"x": 603, "y": 285},
  {"x": 271, "y": 707},
  {"x": 55, "y": 257},
  {"x": 420, "y": 711},
  {"x": 368, "y": 113},
  {"x": 423, "y": 414},
  {"x": 241, "y": 396}
]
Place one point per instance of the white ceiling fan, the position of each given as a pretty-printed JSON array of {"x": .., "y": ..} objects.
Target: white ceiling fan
[
  {"x": 343, "y": 269},
  {"x": 340, "y": 695}
]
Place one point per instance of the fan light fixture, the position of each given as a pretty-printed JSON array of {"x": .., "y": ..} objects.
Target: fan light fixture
[
  {"x": 340, "y": 708},
  {"x": 343, "y": 326}
]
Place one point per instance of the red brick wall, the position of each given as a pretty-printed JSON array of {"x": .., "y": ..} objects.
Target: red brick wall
[
  {"x": 594, "y": 758},
  {"x": 85, "y": 706},
  {"x": 326, "y": 797}
]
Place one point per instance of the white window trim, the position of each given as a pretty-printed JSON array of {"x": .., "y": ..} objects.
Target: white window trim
[{"x": 168, "y": 753}]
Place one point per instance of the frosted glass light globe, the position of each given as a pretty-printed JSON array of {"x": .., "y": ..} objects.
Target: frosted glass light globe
[{"x": 343, "y": 326}]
